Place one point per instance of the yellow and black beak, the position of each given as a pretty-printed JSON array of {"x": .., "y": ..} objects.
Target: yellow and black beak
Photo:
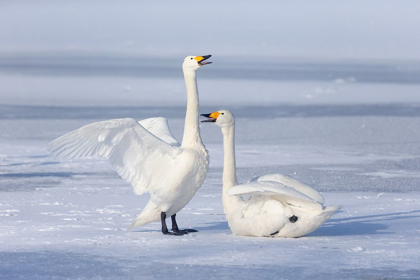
[
  {"x": 211, "y": 117},
  {"x": 201, "y": 59}
]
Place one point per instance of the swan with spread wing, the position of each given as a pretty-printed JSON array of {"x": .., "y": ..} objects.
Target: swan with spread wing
[
  {"x": 278, "y": 205},
  {"x": 146, "y": 155}
]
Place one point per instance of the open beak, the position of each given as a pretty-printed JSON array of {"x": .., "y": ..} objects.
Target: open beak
[
  {"x": 211, "y": 117},
  {"x": 201, "y": 59}
]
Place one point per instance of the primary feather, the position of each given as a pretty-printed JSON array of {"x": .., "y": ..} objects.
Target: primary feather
[
  {"x": 291, "y": 183},
  {"x": 277, "y": 191}
]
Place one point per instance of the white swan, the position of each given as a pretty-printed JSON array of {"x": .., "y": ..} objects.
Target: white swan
[
  {"x": 278, "y": 205},
  {"x": 147, "y": 156}
]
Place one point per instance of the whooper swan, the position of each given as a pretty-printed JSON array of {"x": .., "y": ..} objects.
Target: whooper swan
[
  {"x": 278, "y": 205},
  {"x": 147, "y": 156}
]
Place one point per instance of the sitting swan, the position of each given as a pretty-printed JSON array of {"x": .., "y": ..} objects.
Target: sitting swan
[
  {"x": 147, "y": 156},
  {"x": 278, "y": 205}
]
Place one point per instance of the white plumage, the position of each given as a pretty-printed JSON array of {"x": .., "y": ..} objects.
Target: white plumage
[
  {"x": 292, "y": 183},
  {"x": 131, "y": 149},
  {"x": 146, "y": 154},
  {"x": 277, "y": 205},
  {"x": 277, "y": 191}
]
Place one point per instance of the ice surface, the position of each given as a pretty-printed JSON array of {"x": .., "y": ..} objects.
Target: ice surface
[{"x": 357, "y": 142}]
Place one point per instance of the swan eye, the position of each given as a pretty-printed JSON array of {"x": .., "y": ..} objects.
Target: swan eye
[
  {"x": 223, "y": 113},
  {"x": 192, "y": 58}
]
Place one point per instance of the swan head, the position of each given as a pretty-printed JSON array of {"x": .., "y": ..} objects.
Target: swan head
[
  {"x": 194, "y": 62},
  {"x": 222, "y": 118}
]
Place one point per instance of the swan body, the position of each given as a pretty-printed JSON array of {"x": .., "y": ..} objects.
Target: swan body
[
  {"x": 146, "y": 154},
  {"x": 277, "y": 205}
]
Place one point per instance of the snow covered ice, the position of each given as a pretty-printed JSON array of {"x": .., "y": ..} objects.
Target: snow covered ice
[{"x": 68, "y": 219}]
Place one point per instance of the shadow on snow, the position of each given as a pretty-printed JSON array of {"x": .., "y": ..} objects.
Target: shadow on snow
[{"x": 362, "y": 225}]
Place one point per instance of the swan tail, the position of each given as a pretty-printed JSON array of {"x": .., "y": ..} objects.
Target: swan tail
[
  {"x": 151, "y": 213},
  {"x": 329, "y": 211},
  {"x": 332, "y": 209}
]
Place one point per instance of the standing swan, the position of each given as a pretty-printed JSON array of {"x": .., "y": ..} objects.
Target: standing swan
[
  {"x": 147, "y": 156},
  {"x": 278, "y": 205}
]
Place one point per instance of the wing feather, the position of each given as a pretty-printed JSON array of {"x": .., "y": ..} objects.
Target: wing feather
[
  {"x": 159, "y": 127},
  {"x": 132, "y": 150},
  {"x": 277, "y": 191},
  {"x": 292, "y": 183}
]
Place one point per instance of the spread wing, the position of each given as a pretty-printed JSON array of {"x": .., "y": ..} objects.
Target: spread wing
[
  {"x": 137, "y": 155},
  {"x": 278, "y": 192},
  {"x": 292, "y": 183},
  {"x": 159, "y": 127}
]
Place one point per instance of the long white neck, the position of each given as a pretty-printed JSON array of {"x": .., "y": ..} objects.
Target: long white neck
[
  {"x": 191, "y": 129},
  {"x": 230, "y": 203}
]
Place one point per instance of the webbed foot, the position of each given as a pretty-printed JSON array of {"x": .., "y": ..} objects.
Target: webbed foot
[
  {"x": 186, "y": 231},
  {"x": 176, "y": 233}
]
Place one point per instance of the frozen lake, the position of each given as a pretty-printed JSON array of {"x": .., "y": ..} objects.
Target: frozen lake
[{"x": 349, "y": 130}]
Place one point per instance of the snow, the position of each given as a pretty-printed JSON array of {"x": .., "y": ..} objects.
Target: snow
[{"x": 59, "y": 216}]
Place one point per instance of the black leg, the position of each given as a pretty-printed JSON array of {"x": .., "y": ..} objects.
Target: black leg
[
  {"x": 165, "y": 228},
  {"x": 174, "y": 224},
  {"x": 176, "y": 229},
  {"x": 162, "y": 219}
]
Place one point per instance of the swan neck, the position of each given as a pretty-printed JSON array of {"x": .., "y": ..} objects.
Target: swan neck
[
  {"x": 229, "y": 170},
  {"x": 229, "y": 161},
  {"x": 191, "y": 129}
]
